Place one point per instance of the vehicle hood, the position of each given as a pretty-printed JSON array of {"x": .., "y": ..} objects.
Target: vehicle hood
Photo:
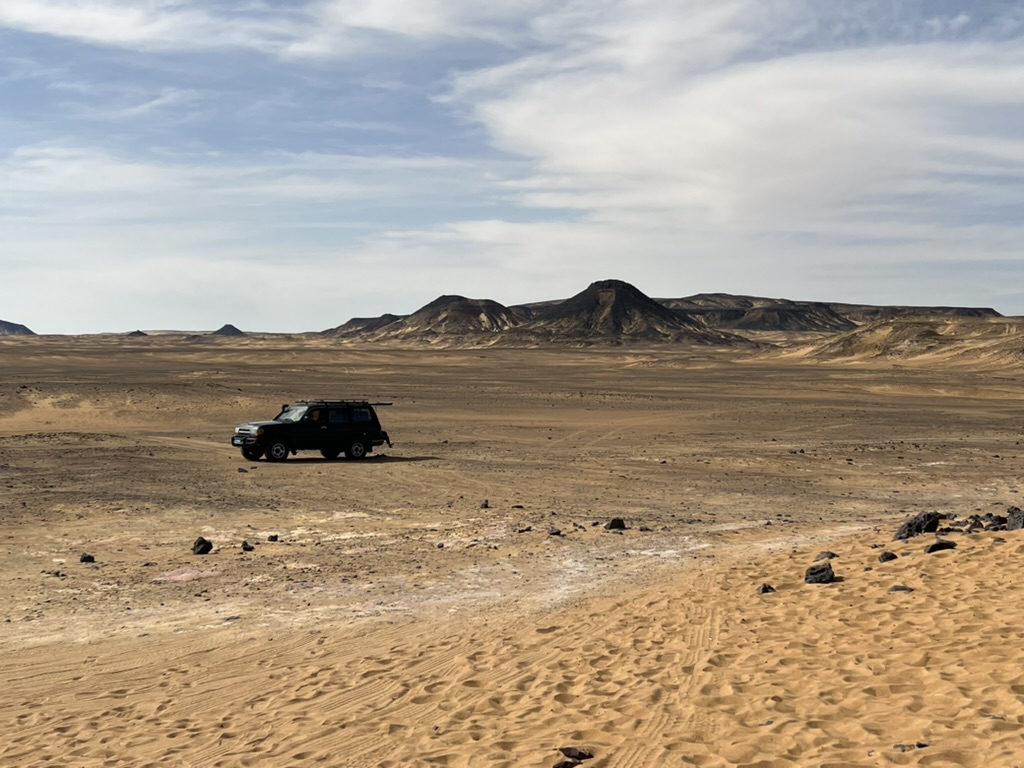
[{"x": 254, "y": 425}]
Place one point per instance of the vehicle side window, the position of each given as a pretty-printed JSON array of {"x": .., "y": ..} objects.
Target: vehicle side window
[
  {"x": 314, "y": 415},
  {"x": 339, "y": 417},
  {"x": 360, "y": 414}
]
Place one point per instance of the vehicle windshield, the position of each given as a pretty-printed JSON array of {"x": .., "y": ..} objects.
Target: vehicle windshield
[{"x": 292, "y": 413}]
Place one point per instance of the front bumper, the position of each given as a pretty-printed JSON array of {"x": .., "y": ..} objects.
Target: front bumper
[{"x": 241, "y": 440}]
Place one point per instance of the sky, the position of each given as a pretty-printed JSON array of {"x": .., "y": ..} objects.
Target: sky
[{"x": 286, "y": 166}]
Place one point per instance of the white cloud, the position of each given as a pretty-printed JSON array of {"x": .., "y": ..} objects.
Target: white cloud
[
  {"x": 317, "y": 28},
  {"x": 757, "y": 144}
]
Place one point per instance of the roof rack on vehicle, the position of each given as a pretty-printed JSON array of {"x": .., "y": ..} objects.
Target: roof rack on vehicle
[{"x": 321, "y": 401}]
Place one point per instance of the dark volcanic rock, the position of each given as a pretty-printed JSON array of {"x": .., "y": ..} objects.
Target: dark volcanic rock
[
  {"x": 1014, "y": 519},
  {"x": 765, "y": 589},
  {"x": 228, "y": 330},
  {"x": 938, "y": 546},
  {"x": 202, "y": 546},
  {"x": 820, "y": 574},
  {"x": 926, "y": 522},
  {"x": 901, "y": 588},
  {"x": 615, "y": 524},
  {"x": 576, "y": 753},
  {"x": 825, "y": 556},
  {"x": 247, "y": 547},
  {"x": 86, "y": 558},
  {"x": 885, "y": 557}
]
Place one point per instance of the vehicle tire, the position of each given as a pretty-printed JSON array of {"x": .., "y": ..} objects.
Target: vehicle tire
[
  {"x": 252, "y": 452},
  {"x": 356, "y": 451},
  {"x": 277, "y": 451},
  {"x": 329, "y": 453}
]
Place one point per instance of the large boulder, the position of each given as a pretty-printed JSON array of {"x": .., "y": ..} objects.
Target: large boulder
[
  {"x": 820, "y": 574},
  {"x": 926, "y": 522}
]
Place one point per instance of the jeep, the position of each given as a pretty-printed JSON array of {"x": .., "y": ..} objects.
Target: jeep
[{"x": 332, "y": 427}]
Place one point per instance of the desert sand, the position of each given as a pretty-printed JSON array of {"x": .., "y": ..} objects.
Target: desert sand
[{"x": 399, "y": 620}]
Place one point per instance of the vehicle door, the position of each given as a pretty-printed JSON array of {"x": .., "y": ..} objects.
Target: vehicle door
[
  {"x": 311, "y": 432},
  {"x": 338, "y": 427},
  {"x": 362, "y": 424}
]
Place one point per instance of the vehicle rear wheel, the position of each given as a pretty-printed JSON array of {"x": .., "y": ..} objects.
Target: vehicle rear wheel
[
  {"x": 329, "y": 453},
  {"x": 356, "y": 451},
  {"x": 252, "y": 452},
  {"x": 277, "y": 451}
]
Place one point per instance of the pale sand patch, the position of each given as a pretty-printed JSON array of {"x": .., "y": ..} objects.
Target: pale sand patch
[{"x": 698, "y": 671}]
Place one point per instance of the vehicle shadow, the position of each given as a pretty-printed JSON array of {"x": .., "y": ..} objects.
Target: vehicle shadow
[
  {"x": 368, "y": 460},
  {"x": 384, "y": 459}
]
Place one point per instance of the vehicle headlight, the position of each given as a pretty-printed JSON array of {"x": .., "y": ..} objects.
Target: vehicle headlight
[{"x": 259, "y": 431}]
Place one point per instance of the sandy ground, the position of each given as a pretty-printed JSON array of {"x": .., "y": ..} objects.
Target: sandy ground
[{"x": 398, "y": 620}]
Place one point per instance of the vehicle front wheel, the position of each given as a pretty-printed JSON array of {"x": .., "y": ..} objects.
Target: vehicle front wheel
[
  {"x": 356, "y": 451},
  {"x": 277, "y": 451},
  {"x": 252, "y": 453},
  {"x": 330, "y": 453}
]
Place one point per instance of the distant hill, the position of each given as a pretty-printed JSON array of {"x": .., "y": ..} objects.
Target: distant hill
[
  {"x": 445, "y": 318},
  {"x": 227, "y": 330},
  {"x": 865, "y": 313},
  {"x": 136, "y": 334},
  {"x": 363, "y": 325},
  {"x": 613, "y": 311},
  {"x": 14, "y": 329},
  {"x": 997, "y": 340},
  {"x": 758, "y": 313}
]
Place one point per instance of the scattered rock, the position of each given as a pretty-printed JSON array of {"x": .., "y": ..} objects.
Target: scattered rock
[
  {"x": 527, "y": 529},
  {"x": 554, "y": 532},
  {"x": 938, "y": 546},
  {"x": 926, "y": 522},
  {"x": 765, "y": 589},
  {"x": 901, "y": 588},
  {"x": 826, "y": 556},
  {"x": 908, "y": 747},
  {"x": 1014, "y": 519},
  {"x": 247, "y": 547},
  {"x": 485, "y": 504},
  {"x": 615, "y": 524},
  {"x": 243, "y": 469},
  {"x": 820, "y": 574},
  {"x": 272, "y": 537},
  {"x": 86, "y": 558},
  {"x": 202, "y": 546},
  {"x": 886, "y": 556},
  {"x": 567, "y": 763}
]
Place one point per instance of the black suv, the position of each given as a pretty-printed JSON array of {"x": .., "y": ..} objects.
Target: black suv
[{"x": 328, "y": 426}]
